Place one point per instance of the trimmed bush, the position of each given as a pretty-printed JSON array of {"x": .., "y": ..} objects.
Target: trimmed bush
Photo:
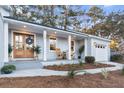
[
  {"x": 116, "y": 57},
  {"x": 8, "y": 69},
  {"x": 90, "y": 59}
]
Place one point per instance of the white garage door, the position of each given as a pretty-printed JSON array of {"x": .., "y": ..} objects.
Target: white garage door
[{"x": 101, "y": 54}]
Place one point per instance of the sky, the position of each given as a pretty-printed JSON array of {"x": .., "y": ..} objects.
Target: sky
[{"x": 107, "y": 8}]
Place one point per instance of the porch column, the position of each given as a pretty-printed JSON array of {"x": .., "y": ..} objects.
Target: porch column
[
  {"x": 69, "y": 47},
  {"x": 5, "y": 39},
  {"x": 44, "y": 44},
  {"x": 1, "y": 43},
  {"x": 87, "y": 49}
]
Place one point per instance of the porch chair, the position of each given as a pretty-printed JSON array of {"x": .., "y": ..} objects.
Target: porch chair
[{"x": 59, "y": 53}]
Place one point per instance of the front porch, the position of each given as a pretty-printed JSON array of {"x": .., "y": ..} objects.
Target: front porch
[{"x": 48, "y": 39}]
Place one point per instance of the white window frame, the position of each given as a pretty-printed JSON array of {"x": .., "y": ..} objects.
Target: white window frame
[{"x": 55, "y": 42}]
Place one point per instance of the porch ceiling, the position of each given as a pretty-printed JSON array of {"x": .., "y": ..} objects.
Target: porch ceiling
[{"x": 26, "y": 27}]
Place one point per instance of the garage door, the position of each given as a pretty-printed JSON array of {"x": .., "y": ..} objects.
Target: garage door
[{"x": 101, "y": 54}]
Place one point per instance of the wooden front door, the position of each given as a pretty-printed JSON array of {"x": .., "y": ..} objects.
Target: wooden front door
[{"x": 23, "y": 48}]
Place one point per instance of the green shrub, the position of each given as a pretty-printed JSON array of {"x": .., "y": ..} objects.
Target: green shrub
[
  {"x": 122, "y": 71},
  {"x": 80, "y": 62},
  {"x": 12, "y": 67},
  {"x": 10, "y": 49},
  {"x": 116, "y": 57},
  {"x": 37, "y": 49},
  {"x": 89, "y": 59},
  {"x": 72, "y": 73},
  {"x": 80, "y": 51},
  {"x": 8, "y": 69}
]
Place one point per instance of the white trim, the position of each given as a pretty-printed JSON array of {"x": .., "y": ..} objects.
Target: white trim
[
  {"x": 15, "y": 59},
  {"x": 86, "y": 47},
  {"x": 45, "y": 45},
  {"x": 18, "y": 31},
  {"x": 6, "y": 39},
  {"x": 69, "y": 47}
]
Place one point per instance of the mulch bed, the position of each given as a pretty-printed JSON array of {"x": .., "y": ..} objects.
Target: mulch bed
[
  {"x": 120, "y": 61},
  {"x": 115, "y": 79},
  {"x": 68, "y": 67}
]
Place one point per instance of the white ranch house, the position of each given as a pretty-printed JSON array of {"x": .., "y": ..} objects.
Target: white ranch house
[{"x": 16, "y": 32}]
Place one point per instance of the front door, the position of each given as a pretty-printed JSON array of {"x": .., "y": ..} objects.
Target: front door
[{"x": 23, "y": 45}]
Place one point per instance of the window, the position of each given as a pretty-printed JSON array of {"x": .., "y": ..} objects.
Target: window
[
  {"x": 19, "y": 42},
  {"x": 52, "y": 42},
  {"x": 99, "y": 45}
]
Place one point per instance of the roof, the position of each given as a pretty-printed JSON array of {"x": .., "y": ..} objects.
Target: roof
[{"x": 55, "y": 28}]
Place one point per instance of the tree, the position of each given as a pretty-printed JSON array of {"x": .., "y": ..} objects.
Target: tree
[
  {"x": 112, "y": 26},
  {"x": 96, "y": 15},
  {"x": 69, "y": 17}
]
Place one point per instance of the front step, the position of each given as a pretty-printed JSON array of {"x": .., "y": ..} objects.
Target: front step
[{"x": 26, "y": 65}]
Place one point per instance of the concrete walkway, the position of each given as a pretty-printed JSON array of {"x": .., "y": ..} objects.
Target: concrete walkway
[{"x": 45, "y": 72}]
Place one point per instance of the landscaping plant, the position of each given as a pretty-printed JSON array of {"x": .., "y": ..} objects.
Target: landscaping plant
[
  {"x": 37, "y": 50},
  {"x": 89, "y": 59},
  {"x": 116, "y": 57},
  {"x": 105, "y": 73},
  {"x": 10, "y": 49},
  {"x": 122, "y": 71},
  {"x": 72, "y": 73},
  {"x": 96, "y": 64},
  {"x": 80, "y": 51},
  {"x": 80, "y": 62},
  {"x": 8, "y": 69}
]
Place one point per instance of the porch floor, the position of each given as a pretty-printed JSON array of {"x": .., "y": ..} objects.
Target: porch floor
[{"x": 38, "y": 64}]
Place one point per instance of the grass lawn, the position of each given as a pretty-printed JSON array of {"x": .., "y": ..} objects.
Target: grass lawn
[
  {"x": 68, "y": 67},
  {"x": 115, "y": 79}
]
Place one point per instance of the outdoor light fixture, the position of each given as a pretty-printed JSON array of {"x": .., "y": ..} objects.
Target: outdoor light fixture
[{"x": 24, "y": 26}]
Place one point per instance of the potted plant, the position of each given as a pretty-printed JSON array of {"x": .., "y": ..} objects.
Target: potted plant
[
  {"x": 10, "y": 49},
  {"x": 64, "y": 55},
  {"x": 80, "y": 51},
  {"x": 37, "y": 51}
]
